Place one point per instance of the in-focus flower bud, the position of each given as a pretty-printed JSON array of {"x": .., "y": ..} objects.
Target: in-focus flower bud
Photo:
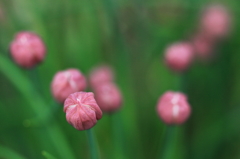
[
  {"x": 215, "y": 21},
  {"x": 101, "y": 75},
  {"x": 27, "y": 49},
  {"x": 173, "y": 108},
  {"x": 66, "y": 82},
  {"x": 108, "y": 97},
  {"x": 179, "y": 56},
  {"x": 82, "y": 111}
]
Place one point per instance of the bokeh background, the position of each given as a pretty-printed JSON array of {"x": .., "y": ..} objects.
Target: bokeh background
[{"x": 130, "y": 36}]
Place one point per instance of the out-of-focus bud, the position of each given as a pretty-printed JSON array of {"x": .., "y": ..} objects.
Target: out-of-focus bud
[
  {"x": 108, "y": 97},
  {"x": 27, "y": 49},
  {"x": 179, "y": 56},
  {"x": 82, "y": 111},
  {"x": 66, "y": 82},
  {"x": 101, "y": 75},
  {"x": 216, "y": 21},
  {"x": 173, "y": 108},
  {"x": 203, "y": 46}
]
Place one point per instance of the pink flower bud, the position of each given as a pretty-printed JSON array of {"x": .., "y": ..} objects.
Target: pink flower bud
[
  {"x": 203, "y": 46},
  {"x": 173, "y": 108},
  {"x": 101, "y": 75},
  {"x": 108, "y": 97},
  {"x": 179, "y": 56},
  {"x": 82, "y": 111},
  {"x": 66, "y": 82},
  {"x": 215, "y": 21},
  {"x": 27, "y": 49}
]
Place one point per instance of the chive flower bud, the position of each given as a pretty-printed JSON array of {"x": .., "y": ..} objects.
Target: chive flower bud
[
  {"x": 179, "y": 56},
  {"x": 215, "y": 21},
  {"x": 108, "y": 97},
  {"x": 173, "y": 108},
  {"x": 66, "y": 82},
  {"x": 82, "y": 111},
  {"x": 100, "y": 75},
  {"x": 27, "y": 49}
]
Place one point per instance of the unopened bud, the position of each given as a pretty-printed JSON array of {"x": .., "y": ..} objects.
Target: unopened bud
[
  {"x": 203, "y": 46},
  {"x": 66, "y": 82},
  {"x": 173, "y": 108},
  {"x": 108, "y": 97},
  {"x": 101, "y": 75},
  {"x": 215, "y": 21},
  {"x": 82, "y": 111},
  {"x": 27, "y": 49},
  {"x": 179, "y": 56}
]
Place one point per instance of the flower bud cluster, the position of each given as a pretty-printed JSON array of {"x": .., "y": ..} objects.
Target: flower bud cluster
[
  {"x": 108, "y": 95},
  {"x": 214, "y": 25}
]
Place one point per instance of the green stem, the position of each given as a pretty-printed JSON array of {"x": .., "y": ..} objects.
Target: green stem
[
  {"x": 117, "y": 136},
  {"x": 37, "y": 104},
  {"x": 92, "y": 144},
  {"x": 34, "y": 76},
  {"x": 169, "y": 141}
]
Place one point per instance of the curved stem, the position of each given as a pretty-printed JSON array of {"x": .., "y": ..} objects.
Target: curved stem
[{"x": 92, "y": 144}]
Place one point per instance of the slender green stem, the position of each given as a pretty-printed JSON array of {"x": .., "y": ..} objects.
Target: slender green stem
[
  {"x": 37, "y": 104},
  {"x": 34, "y": 76},
  {"x": 118, "y": 152},
  {"x": 168, "y": 144},
  {"x": 92, "y": 144}
]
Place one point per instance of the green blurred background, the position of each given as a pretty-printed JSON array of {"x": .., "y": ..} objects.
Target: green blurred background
[{"x": 131, "y": 36}]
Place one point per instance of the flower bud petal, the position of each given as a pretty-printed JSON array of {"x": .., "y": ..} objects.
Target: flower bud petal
[
  {"x": 27, "y": 49},
  {"x": 179, "y": 56},
  {"x": 173, "y": 108},
  {"x": 108, "y": 97},
  {"x": 82, "y": 111},
  {"x": 66, "y": 82}
]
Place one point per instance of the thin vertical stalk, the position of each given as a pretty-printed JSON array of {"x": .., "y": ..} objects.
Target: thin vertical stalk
[
  {"x": 167, "y": 150},
  {"x": 117, "y": 135},
  {"x": 34, "y": 76},
  {"x": 92, "y": 144}
]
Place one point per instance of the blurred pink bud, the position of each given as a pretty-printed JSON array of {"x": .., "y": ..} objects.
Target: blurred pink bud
[
  {"x": 82, "y": 111},
  {"x": 108, "y": 97},
  {"x": 27, "y": 49},
  {"x": 203, "y": 46},
  {"x": 101, "y": 75},
  {"x": 179, "y": 56},
  {"x": 66, "y": 82},
  {"x": 173, "y": 108},
  {"x": 215, "y": 21}
]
